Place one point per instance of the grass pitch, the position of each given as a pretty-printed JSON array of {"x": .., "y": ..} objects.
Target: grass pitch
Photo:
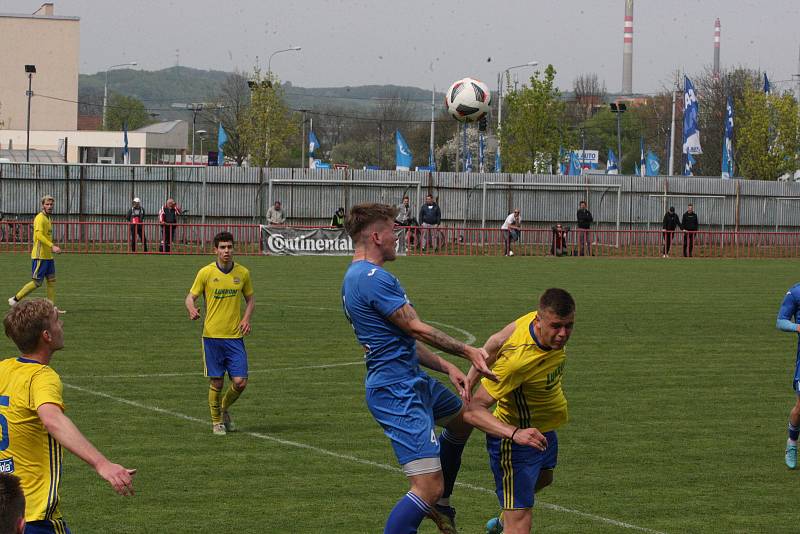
[{"x": 678, "y": 384}]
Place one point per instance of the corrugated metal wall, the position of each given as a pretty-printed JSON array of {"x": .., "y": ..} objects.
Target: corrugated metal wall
[{"x": 240, "y": 194}]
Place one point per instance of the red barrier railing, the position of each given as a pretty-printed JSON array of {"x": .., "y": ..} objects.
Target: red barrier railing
[{"x": 125, "y": 238}]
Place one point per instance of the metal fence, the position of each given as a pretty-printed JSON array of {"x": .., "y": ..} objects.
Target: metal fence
[{"x": 240, "y": 195}]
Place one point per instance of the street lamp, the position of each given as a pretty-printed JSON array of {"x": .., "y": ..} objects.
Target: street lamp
[
  {"x": 500, "y": 75},
  {"x": 31, "y": 70},
  {"x": 105, "y": 88},
  {"x": 202, "y": 135},
  {"x": 269, "y": 61},
  {"x": 618, "y": 108}
]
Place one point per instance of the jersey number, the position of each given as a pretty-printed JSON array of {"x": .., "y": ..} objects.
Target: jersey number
[{"x": 3, "y": 424}]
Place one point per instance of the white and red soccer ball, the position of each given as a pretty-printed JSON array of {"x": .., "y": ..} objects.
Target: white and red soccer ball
[{"x": 468, "y": 100}]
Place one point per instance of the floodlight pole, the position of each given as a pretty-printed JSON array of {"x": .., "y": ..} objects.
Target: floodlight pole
[
  {"x": 30, "y": 69},
  {"x": 105, "y": 89},
  {"x": 672, "y": 136},
  {"x": 500, "y": 75}
]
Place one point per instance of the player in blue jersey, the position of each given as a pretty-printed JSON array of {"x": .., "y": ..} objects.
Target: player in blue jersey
[
  {"x": 788, "y": 322},
  {"x": 404, "y": 400}
]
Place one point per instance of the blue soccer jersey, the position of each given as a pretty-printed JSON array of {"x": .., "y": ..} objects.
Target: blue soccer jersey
[
  {"x": 370, "y": 294},
  {"x": 787, "y": 321}
]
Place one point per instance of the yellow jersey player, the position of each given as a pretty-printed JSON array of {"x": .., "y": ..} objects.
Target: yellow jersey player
[
  {"x": 223, "y": 285},
  {"x": 528, "y": 357},
  {"x": 33, "y": 427},
  {"x": 43, "y": 266}
]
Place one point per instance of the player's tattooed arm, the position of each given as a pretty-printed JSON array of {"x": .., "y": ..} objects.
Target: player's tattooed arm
[{"x": 406, "y": 319}]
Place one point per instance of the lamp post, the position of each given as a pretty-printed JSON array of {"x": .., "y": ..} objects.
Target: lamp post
[
  {"x": 618, "y": 108},
  {"x": 269, "y": 61},
  {"x": 202, "y": 135},
  {"x": 105, "y": 88},
  {"x": 500, "y": 75},
  {"x": 31, "y": 70}
]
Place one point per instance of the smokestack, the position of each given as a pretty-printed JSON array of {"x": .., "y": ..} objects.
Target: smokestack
[
  {"x": 716, "y": 48},
  {"x": 627, "y": 50}
]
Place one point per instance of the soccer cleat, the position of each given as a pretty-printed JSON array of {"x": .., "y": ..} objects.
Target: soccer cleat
[
  {"x": 510, "y": 252},
  {"x": 230, "y": 426},
  {"x": 791, "y": 456},
  {"x": 219, "y": 429},
  {"x": 494, "y": 526},
  {"x": 12, "y": 301},
  {"x": 445, "y": 519}
]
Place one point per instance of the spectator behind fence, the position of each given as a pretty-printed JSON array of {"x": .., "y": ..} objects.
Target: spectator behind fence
[
  {"x": 405, "y": 213},
  {"x": 511, "y": 230},
  {"x": 275, "y": 214},
  {"x": 135, "y": 217},
  {"x": 670, "y": 223},
  {"x": 430, "y": 216},
  {"x": 337, "y": 221},
  {"x": 168, "y": 218},
  {"x": 12, "y": 505},
  {"x": 559, "y": 245},
  {"x": 690, "y": 224},
  {"x": 585, "y": 221}
]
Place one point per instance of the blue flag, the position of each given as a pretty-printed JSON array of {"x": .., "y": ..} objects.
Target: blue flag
[
  {"x": 313, "y": 143},
  {"x": 574, "y": 164},
  {"x": 612, "y": 167},
  {"x": 125, "y": 155},
  {"x": 402, "y": 153},
  {"x": 653, "y": 165},
  {"x": 691, "y": 133},
  {"x": 641, "y": 169},
  {"x": 222, "y": 138},
  {"x": 481, "y": 150},
  {"x": 767, "y": 85},
  {"x": 468, "y": 161},
  {"x": 498, "y": 165},
  {"x": 727, "y": 143},
  {"x": 689, "y": 169}
]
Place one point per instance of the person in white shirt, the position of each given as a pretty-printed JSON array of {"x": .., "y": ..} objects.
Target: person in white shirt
[{"x": 511, "y": 230}]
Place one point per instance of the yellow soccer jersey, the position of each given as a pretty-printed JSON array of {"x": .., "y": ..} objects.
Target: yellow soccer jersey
[
  {"x": 528, "y": 390},
  {"x": 42, "y": 238},
  {"x": 26, "y": 448},
  {"x": 222, "y": 293}
]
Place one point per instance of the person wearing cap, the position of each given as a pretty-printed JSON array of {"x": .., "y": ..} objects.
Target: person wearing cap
[
  {"x": 670, "y": 223},
  {"x": 337, "y": 221},
  {"x": 135, "y": 217}
]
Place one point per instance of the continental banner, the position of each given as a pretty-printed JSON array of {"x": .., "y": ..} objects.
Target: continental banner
[{"x": 288, "y": 241}]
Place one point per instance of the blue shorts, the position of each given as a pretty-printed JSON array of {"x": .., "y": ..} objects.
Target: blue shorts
[
  {"x": 47, "y": 526},
  {"x": 42, "y": 268},
  {"x": 222, "y": 354},
  {"x": 408, "y": 412},
  {"x": 516, "y": 469},
  {"x": 796, "y": 379}
]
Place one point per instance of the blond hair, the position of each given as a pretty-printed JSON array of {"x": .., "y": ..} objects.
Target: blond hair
[
  {"x": 25, "y": 322},
  {"x": 46, "y": 198}
]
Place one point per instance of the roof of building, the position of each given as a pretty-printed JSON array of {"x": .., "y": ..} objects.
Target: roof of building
[
  {"x": 45, "y": 17},
  {"x": 37, "y": 156},
  {"x": 160, "y": 127}
]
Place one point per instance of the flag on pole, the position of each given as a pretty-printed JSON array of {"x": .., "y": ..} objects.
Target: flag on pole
[
  {"x": 767, "y": 85},
  {"x": 498, "y": 165},
  {"x": 222, "y": 138},
  {"x": 402, "y": 153},
  {"x": 727, "y": 143},
  {"x": 612, "y": 167},
  {"x": 574, "y": 164},
  {"x": 689, "y": 169},
  {"x": 313, "y": 143},
  {"x": 641, "y": 169},
  {"x": 653, "y": 165},
  {"x": 481, "y": 150},
  {"x": 691, "y": 133},
  {"x": 468, "y": 161},
  {"x": 125, "y": 155}
]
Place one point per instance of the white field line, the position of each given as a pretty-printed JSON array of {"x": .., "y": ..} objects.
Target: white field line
[{"x": 349, "y": 458}]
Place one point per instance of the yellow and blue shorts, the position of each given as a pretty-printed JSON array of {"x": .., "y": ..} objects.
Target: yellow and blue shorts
[
  {"x": 47, "y": 526},
  {"x": 225, "y": 355},
  {"x": 516, "y": 469},
  {"x": 43, "y": 268}
]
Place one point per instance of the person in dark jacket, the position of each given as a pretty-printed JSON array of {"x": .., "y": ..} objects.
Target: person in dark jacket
[
  {"x": 585, "y": 221},
  {"x": 135, "y": 217},
  {"x": 690, "y": 224},
  {"x": 337, "y": 221},
  {"x": 168, "y": 217},
  {"x": 430, "y": 216},
  {"x": 671, "y": 222}
]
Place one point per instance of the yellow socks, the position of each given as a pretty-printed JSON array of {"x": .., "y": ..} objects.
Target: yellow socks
[
  {"x": 51, "y": 290},
  {"x": 213, "y": 405},
  {"x": 230, "y": 397},
  {"x": 27, "y": 288}
]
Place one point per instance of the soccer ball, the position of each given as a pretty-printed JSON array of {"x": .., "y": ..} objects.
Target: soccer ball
[{"x": 468, "y": 100}]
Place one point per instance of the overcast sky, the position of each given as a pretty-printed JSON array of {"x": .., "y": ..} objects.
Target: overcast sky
[{"x": 422, "y": 43}]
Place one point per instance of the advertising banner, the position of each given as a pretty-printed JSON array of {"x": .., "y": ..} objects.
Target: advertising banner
[{"x": 288, "y": 241}]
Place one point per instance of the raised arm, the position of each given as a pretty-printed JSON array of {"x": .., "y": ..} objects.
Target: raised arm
[
  {"x": 492, "y": 348},
  {"x": 67, "y": 434}
]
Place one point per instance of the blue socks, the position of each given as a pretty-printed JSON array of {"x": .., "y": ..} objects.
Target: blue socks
[
  {"x": 794, "y": 431},
  {"x": 406, "y": 515},
  {"x": 450, "y": 450}
]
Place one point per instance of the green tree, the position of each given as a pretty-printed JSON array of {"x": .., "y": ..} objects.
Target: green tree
[
  {"x": 123, "y": 109},
  {"x": 534, "y": 125},
  {"x": 268, "y": 124},
  {"x": 767, "y": 136},
  {"x": 233, "y": 103}
]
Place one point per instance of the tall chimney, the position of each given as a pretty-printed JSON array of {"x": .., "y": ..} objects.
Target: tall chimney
[
  {"x": 716, "y": 48},
  {"x": 627, "y": 50}
]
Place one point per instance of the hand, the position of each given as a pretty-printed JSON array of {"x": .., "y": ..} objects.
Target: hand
[
  {"x": 194, "y": 314},
  {"x": 478, "y": 358},
  {"x": 56, "y": 249},
  {"x": 459, "y": 380},
  {"x": 244, "y": 327},
  {"x": 120, "y": 478},
  {"x": 531, "y": 437}
]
